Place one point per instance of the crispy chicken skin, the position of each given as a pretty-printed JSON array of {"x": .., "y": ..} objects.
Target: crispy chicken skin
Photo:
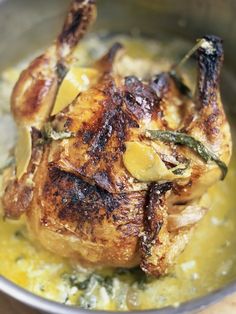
[
  {"x": 79, "y": 199},
  {"x": 34, "y": 93}
]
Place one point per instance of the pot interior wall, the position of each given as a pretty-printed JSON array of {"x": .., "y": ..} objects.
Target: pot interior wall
[{"x": 26, "y": 26}]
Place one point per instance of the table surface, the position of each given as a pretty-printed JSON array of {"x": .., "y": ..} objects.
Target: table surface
[{"x": 9, "y": 306}]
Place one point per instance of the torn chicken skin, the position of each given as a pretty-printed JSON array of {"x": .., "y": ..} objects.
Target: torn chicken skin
[{"x": 79, "y": 198}]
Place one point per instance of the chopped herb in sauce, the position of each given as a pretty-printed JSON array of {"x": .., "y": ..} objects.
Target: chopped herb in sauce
[
  {"x": 20, "y": 234},
  {"x": 139, "y": 278},
  {"x": 103, "y": 281},
  {"x": 87, "y": 302}
]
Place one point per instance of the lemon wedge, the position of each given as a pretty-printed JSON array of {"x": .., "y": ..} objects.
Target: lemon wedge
[
  {"x": 144, "y": 164},
  {"x": 76, "y": 80},
  {"x": 23, "y": 151}
]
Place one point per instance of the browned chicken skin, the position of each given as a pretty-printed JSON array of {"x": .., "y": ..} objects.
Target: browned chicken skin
[{"x": 79, "y": 198}]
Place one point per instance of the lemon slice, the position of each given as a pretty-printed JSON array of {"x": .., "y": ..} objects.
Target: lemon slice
[
  {"x": 23, "y": 151},
  {"x": 144, "y": 164},
  {"x": 76, "y": 80}
]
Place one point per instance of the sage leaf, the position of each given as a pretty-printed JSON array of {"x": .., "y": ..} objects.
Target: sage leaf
[
  {"x": 183, "y": 139},
  {"x": 50, "y": 134}
]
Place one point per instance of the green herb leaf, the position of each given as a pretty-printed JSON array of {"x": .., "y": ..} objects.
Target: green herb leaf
[
  {"x": 181, "y": 168},
  {"x": 49, "y": 134},
  {"x": 136, "y": 275},
  {"x": 87, "y": 302},
  {"x": 184, "y": 139}
]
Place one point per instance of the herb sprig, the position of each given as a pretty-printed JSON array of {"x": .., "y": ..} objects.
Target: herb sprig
[{"x": 183, "y": 139}]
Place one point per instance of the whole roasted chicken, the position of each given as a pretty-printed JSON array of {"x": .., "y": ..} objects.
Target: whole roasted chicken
[{"x": 114, "y": 177}]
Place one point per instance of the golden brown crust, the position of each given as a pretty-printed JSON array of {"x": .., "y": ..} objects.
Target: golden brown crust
[
  {"x": 84, "y": 204},
  {"x": 68, "y": 206},
  {"x": 102, "y": 130},
  {"x": 34, "y": 93}
]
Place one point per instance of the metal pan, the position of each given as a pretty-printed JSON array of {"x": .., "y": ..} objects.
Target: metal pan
[{"x": 24, "y": 26}]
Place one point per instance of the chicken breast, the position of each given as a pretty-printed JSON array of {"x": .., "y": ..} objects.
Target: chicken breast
[{"x": 117, "y": 180}]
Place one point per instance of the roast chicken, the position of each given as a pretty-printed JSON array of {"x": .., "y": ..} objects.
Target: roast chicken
[{"x": 115, "y": 177}]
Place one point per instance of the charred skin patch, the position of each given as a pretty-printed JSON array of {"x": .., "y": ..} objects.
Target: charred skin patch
[
  {"x": 154, "y": 219},
  {"x": 209, "y": 64},
  {"x": 140, "y": 98},
  {"x": 209, "y": 69},
  {"x": 161, "y": 85},
  {"x": 76, "y": 199},
  {"x": 96, "y": 133},
  {"x": 105, "y": 134},
  {"x": 73, "y": 200},
  {"x": 115, "y": 122},
  {"x": 105, "y": 131},
  {"x": 153, "y": 223},
  {"x": 81, "y": 14},
  {"x": 212, "y": 124}
]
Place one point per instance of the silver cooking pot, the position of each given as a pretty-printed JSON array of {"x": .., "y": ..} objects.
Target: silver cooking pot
[{"x": 28, "y": 25}]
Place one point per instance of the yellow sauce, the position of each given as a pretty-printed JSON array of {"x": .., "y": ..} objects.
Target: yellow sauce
[{"x": 208, "y": 262}]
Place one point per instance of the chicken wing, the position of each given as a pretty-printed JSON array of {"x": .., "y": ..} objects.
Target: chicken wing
[{"x": 34, "y": 95}]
